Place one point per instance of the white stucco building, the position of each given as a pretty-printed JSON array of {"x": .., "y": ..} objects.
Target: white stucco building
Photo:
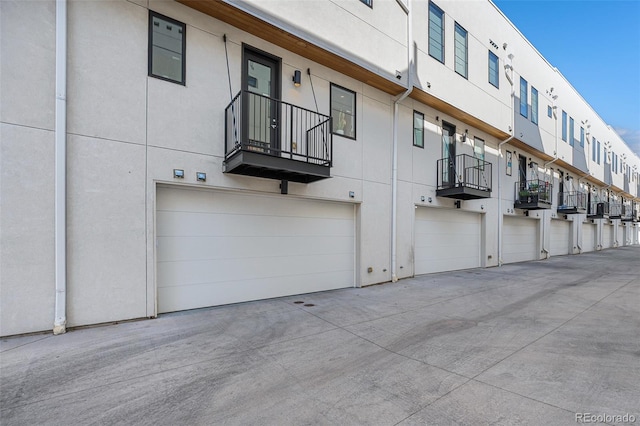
[{"x": 225, "y": 151}]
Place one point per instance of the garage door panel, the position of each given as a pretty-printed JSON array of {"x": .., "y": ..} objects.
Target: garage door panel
[
  {"x": 588, "y": 237},
  {"x": 446, "y": 240},
  {"x": 607, "y": 235},
  {"x": 208, "y": 247},
  {"x": 221, "y": 270},
  {"x": 560, "y": 237},
  {"x": 520, "y": 239},
  {"x": 215, "y": 248},
  {"x": 198, "y": 224},
  {"x": 172, "y": 299}
]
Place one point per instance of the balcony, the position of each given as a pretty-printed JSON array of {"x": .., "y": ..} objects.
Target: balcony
[
  {"x": 464, "y": 177},
  {"x": 628, "y": 213},
  {"x": 573, "y": 202},
  {"x": 533, "y": 195},
  {"x": 615, "y": 210},
  {"x": 268, "y": 138},
  {"x": 598, "y": 210}
]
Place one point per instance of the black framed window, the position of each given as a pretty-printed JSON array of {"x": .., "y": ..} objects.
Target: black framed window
[
  {"x": 436, "y": 32},
  {"x": 343, "y": 111},
  {"x": 494, "y": 75},
  {"x": 524, "y": 97},
  {"x": 368, "y": 3},
  {"x": 460, "y": 50},
  {"x": 571, "y": 132},
  {"x": 167, "y": 46},
  {"x": 534, "y": 105},
  {"x": 418, "y": 129},
  {"x": 564, "y": 126}
]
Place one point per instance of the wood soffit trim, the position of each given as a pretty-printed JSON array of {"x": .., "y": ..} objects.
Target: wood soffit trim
[{"x": 253, "y": 25}]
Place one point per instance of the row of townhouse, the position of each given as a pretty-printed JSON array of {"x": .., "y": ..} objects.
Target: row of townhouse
[{"x": 168, "y": 155}]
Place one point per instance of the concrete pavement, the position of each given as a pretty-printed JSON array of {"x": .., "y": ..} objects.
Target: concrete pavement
[{"x": 531, "y": 343}]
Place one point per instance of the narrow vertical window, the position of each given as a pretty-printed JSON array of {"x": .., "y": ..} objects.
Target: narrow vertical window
[
  {"x": 598, "y": 152},
  {"x": 534, "y": 105},
  {"x": 581, "y": 136},
  {"x": 418, "y": 129},
  {"x": 571, "y": 133},
  {"x": 460, "y": 50},
  {"x": 436, "y": 32},
  {"x": 524, "y": 100},
  {"x": 478, "y": 148},
  {"x": 593, "y": 150},
  {"x": 167, "y": 44},
  {"x": 494, "y": 75},
  {"x": 549, "y": 111},
  {"x": 564, "y": 126},
  {"x": 343, "y": 111}
]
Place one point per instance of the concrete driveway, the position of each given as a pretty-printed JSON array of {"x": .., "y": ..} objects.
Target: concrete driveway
[{"x": 531, "y": 343}]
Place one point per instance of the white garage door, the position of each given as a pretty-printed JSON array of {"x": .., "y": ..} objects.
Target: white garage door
[
  {"x": 607, "y": 235},
  {"x": 215, "y": 248},
  {"x": 560, "y": 237},
  {"x": 588, "y": 237},
  {"x": 520, "y": 239},
  {"x": 446, "y": 240},
  {"x": 620, "y": 231}
]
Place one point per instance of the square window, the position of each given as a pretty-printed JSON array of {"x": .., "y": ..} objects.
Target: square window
[
  {"x": 418, "y": 129},
  {"x": 494, "y": 75},
  {"x": 343, "y": 111},
  {"x": 436, "y": 32},
  {"x": 167, "y": 45}
]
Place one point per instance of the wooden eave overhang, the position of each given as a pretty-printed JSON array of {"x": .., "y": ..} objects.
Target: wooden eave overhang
[{"x": 245, "y": 21}]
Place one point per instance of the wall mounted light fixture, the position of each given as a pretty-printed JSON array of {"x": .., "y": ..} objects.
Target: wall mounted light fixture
[{"x": 297, "y": 78}]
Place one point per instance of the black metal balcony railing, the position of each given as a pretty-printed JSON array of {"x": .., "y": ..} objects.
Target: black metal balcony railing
[
  {"x": 598, "y": 210},
  {"x": 464, "y": 177},
  {"x": 627, "y": 213},
  {"x": 572, "y": 202},
  {"x": 270, "y": 138},
  {"x": 533, "y": 194},
  {"x": 615, "y": 210}
]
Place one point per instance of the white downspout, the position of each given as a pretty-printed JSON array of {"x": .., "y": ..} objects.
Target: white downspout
[
  {"x": 545, "y": 250},
  {"x": 394, "y": 167},
  {"x": 60, "y": 321},
  {"x": 507, "y": 67}
]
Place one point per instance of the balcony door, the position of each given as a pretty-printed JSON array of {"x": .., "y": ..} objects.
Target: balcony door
[
  {"x": 261, "y": 83},
  {"x": 449, "y": 154}
]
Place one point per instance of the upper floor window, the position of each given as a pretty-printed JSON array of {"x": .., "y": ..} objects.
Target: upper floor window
[
  {"x": 534, "y": 105},
  {"x": 436, "y": 32},
  {"x": 549, "y": 111},
  {"x": 582, "y": 136},
  {"x": 460, "y": 50},
  {"x": 571, "y": 133},
  {"x": 524, "y": 97},
  {"x": 599, "y": 149},
  {"x": 343, "y": 111},
  {"x": 494, "y": 75},
  {"x": 593, "y": 149},
  {"x": 418, "y": 129},
  {"x": 564, "y": 126},
  {"x": 167, "y": 45},
  {"x": 368, "y": 3},
  {"x": 478, "y": 148}
]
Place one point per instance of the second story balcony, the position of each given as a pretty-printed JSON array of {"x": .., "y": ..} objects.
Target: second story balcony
[
  {"x": 628, "y": 213},
  {"x": 615, "y": 210},
  {"x": 464, "y": 177},
  {"x": 572, "y": 202},
  {"x": 265, "y": 137},
  {"x": 598, "y": 210},
  {"x": 533, "y": 195}
]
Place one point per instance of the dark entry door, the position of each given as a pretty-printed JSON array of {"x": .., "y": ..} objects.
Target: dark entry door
[
  {"x": 449, "y": 153},
  {"x": 261, "y": 82}
]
